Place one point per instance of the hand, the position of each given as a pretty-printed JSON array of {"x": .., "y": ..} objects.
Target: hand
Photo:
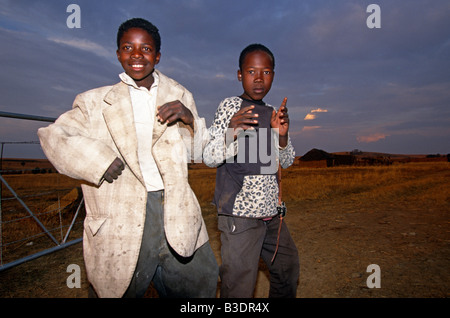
[
  {"x": 114, "y": 170},
  {"x": 174, "y": 111},
  {"x": 280, "y": 120},
  {"x": 244, "y": 119}
]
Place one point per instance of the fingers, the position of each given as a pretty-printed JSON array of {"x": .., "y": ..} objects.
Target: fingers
[
  {"x": 165, "y": 111},
  {"x": 244, "y": 118},
  {"x": 247, "y": 113},
  {"x": 283, "y": 108},
  {"x": 114, "y": 170},
  {"x": 280, "y": 118},
  {"x": 283, "y": 112},
  {"x": 118, "y": 165},
  {"x": 168, "y": 118},
  {"x": 108, "y": 178},
  {"x": 246, "y": 109},
  {"x": 248, "y": 118},
  {"x": 283, "y": 103},
  {"x": 173, "y": 111}
]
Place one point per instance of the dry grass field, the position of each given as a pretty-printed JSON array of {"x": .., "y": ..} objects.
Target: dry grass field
[
  {"x": 342, "y": 219},
  {"x": 52, "y": 197}
]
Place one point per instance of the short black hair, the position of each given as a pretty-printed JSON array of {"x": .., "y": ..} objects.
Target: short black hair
[
  {"x": 141, "y": 24},
  {"x": 252, "y": 48}
]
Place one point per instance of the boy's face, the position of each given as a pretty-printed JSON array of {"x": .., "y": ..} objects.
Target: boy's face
[
  {"x": 256, "y": 75},
  {"x": 138, "y": 56}
]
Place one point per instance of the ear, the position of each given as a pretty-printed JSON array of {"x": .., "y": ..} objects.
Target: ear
[
  {"x": 239, "y": 75},
  {"x": 158, "y": 57}
]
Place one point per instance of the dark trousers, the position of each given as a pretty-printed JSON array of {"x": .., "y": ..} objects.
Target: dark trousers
[
  {"x": 244, "y": 242},
  {"x": 172, "y": 275}
]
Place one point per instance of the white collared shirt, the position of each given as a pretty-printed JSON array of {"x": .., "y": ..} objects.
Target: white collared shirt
[{"x": 144, "y": 109}]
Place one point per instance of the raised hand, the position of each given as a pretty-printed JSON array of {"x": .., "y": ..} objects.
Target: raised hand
[
  {"x": 280, "y": 121},
  {"x": 173, "y": 111},
  {"x": 244, "y": 119}
]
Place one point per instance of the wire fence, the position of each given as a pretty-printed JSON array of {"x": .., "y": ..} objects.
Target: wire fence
[{"x": 41, "y": 211}]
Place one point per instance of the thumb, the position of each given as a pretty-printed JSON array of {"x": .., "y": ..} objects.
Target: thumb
[{"x": 274, "y": 115}]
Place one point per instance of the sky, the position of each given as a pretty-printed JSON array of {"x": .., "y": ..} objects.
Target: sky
[{"x": 349, "y": 85}]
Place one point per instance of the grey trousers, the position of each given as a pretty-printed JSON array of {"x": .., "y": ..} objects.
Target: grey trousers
[
  {"x": 244, "y": 242},
  {"x": 172, "y": 275}
]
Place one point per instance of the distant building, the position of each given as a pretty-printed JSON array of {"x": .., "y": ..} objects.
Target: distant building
[{"x": 320, "y": 158}]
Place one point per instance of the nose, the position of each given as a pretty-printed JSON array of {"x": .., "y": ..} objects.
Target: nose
[
  {"x": 136, "y": 53},
  {"x": 258, "y": 77}
]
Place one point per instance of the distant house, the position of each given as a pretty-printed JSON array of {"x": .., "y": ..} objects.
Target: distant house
[
  {"x": 320, "y": 158},
  {"x": 317, "y": 158}
]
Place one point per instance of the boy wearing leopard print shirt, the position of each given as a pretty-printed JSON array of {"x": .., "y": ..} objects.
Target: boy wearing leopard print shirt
[{"x": 249, "y": 141}]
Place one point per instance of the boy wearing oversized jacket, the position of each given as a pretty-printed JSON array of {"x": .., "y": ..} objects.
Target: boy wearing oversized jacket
[{"x": 144, "y": 223}]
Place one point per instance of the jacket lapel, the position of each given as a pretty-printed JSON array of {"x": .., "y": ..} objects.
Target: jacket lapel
[
  {"x": 120, "y": 121},
  {"x": 166, "y": 93}
]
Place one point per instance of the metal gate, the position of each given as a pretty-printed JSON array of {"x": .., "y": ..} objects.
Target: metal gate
[{"x": 50, "y": 223}]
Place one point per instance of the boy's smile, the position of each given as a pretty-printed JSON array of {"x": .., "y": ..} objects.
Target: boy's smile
[
  {"x": 256, "y": 75},
  {"x": 138, "y": 56}
]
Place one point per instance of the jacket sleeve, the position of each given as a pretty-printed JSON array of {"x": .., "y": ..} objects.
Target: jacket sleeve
[
  {"x": 194, "y": 140},
  {"x": 73, "y": 147},
  {"x": 222, "y": 144}
]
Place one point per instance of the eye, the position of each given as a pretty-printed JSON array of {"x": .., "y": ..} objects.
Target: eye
[
  {"x": 251, "y": 72},
  {"x": 267, "y": 72},
  {"x": 126, "y": 47}
]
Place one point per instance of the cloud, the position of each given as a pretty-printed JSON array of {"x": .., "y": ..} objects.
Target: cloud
[
  {"x": 85, "y": 45},
  {"x": 319, "y": 110},
  {"x": 371, "y": 138},
  {"x": 311, "y": 115},
  {"x": 310, "y": 128}
]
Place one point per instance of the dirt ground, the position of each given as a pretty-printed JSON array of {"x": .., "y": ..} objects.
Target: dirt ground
[{"x": 337, "y": 241}]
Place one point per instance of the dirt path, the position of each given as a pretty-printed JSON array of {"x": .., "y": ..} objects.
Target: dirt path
[{"x": 337, "y": 241}]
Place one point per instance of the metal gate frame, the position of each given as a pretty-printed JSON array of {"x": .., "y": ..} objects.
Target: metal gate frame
[{"x": 59, "y": 245}]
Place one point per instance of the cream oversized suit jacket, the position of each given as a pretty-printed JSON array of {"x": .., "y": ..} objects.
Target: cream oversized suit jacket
[{"x": 83, "y": 142}]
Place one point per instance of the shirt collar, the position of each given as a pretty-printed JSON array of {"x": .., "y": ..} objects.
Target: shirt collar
[{"x": 130, "y": 82}]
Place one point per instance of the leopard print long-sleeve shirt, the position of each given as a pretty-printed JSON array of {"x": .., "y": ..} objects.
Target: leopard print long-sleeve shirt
[{"x": 246, "y": 180}]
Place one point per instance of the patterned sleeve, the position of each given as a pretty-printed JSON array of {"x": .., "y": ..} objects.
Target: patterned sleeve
[
  {"x": 220, "y": 148},
  {"x": 287, "y": 155}
]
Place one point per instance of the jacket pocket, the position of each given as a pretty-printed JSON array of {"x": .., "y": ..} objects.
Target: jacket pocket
[{"x": 94, "y": 224}]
